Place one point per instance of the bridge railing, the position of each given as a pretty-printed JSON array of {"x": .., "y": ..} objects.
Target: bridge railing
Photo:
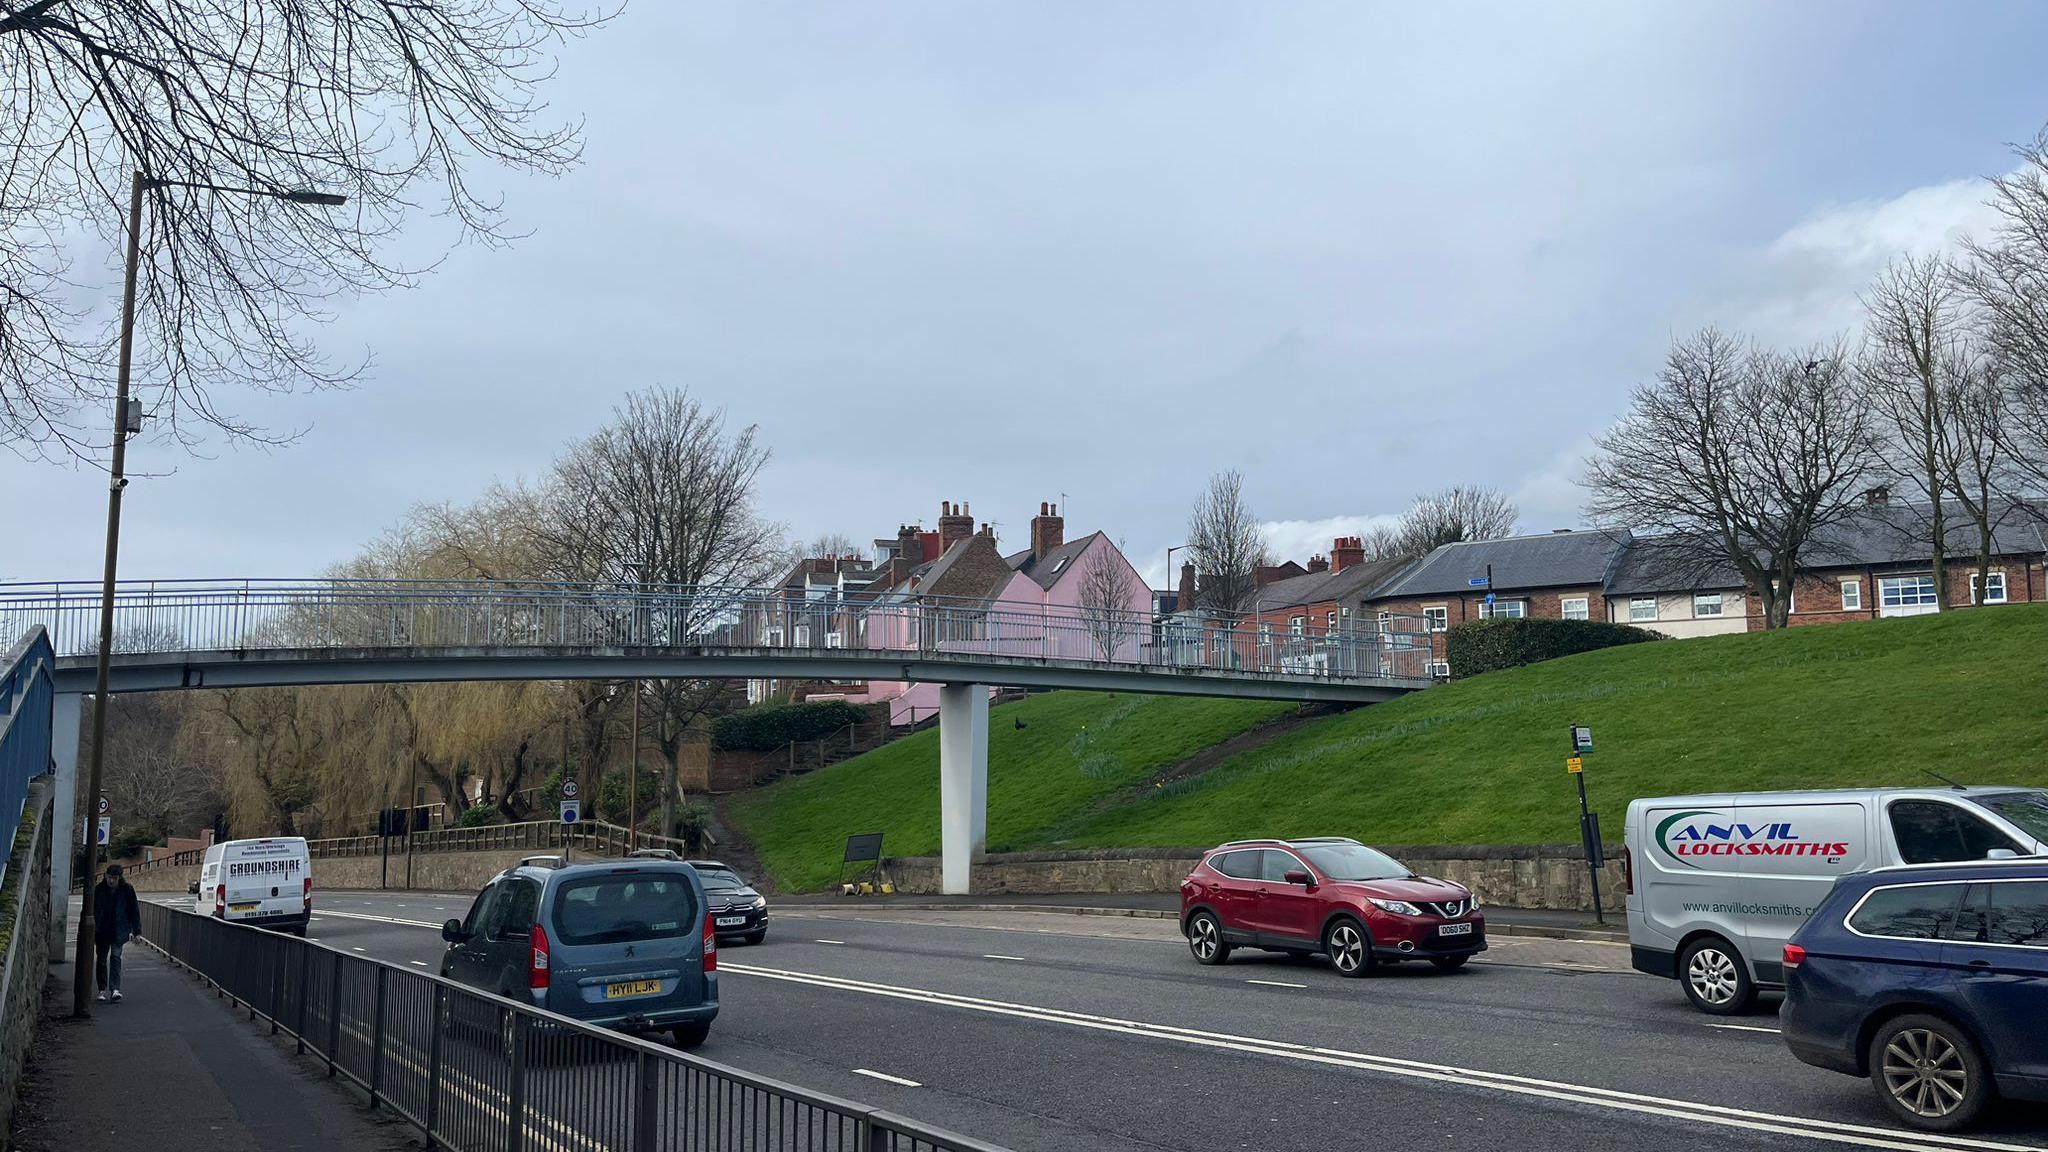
[
  {"x": 255, "y": 615},
  {"x": 26, "y": 699},
  {"x": 472, "y": 1070},
  {"x": 593, "y": 837}
]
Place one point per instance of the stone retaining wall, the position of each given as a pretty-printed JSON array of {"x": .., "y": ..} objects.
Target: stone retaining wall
[
  {"x": 26, "y": 924},
  {"x": 1511, "y": 875},
  {"x": 431, "y": 871}
]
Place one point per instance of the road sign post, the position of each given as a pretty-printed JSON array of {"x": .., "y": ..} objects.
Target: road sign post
[{"x": 1589, "y": 821}]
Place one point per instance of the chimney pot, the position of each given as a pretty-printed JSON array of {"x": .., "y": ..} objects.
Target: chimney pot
[{"x": 1044, "y": 509}]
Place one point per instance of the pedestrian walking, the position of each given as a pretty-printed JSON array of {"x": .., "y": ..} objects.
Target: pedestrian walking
[{"x": 116, "y": 916}]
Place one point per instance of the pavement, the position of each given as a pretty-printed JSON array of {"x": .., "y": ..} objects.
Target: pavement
[
  {"x": 172, "y": 1068},
  {"x": 1039, "y": 1030}
]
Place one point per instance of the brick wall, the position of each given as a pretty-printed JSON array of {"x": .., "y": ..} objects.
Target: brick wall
[
  {"x": 1817, "y": 597},
  {"x": 1543, "y": 603}
]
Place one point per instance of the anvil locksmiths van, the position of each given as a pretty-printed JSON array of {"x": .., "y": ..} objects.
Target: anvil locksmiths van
[
  {"x": 1716, "y": 884},
  {"x": 268, "y": 883}
]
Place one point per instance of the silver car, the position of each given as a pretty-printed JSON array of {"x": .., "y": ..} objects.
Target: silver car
[{"x": 1717, "y": 883}]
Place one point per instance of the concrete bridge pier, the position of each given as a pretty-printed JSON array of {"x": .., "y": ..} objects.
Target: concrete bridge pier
[
  {"x": 65, "y": 712},
  {"x": 963, "y": 782}
]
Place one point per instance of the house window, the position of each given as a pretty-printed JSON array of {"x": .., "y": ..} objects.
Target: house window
[
  {"x": 1297, "y": 625},
  {"x": 1641, "y": 608},
  {"x": 1572, "y": 607},
  {"x": 1439, "y": 669},
  {"x": 1386, "y": 621},
  {"x": 1506, "y": 609},
  {"x": 1995, "y": 589},
  {"x": 1706, "y": 603},
  {"x": 1852, "y": 595},
  {"x": 1438, "y": 618},
  {"x": 1265, "y": 632},
  {"x": 1331, "y": 627},
  {"x": 1906, "y": 595}
]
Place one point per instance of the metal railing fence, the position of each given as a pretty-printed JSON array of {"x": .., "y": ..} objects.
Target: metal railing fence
[
  {"x": 255, "y": 615},
  {"x": 27, "y": 697},
  {"x": 593, "y": 837},
  {"x": 478, "y": 1072}
]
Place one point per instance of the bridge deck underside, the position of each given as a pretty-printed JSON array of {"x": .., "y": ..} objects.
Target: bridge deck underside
[{"x": 159, "y": 671}]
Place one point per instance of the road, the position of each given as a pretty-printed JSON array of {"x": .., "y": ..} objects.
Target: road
[{"x": 1050, "y": 1031}]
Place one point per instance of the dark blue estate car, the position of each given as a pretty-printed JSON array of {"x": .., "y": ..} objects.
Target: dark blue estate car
[{"x": 1931, "y": 980}]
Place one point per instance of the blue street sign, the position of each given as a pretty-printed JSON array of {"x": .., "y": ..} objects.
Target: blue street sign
[
  {"x": 1489, "y": 597},
  {"x": 1478, "y": 582},
  {"x": 570, "y": 811}
]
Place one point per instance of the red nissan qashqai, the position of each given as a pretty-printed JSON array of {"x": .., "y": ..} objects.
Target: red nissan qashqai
[{"x": 1326, "y": 894}]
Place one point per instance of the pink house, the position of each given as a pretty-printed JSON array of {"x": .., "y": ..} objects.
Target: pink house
[{"x": 1036, "y": 602}]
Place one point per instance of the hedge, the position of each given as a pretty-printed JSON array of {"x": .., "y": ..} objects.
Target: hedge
[
  {"x": 1478, "y": 646},
  {"x": 766, "y": 727}
]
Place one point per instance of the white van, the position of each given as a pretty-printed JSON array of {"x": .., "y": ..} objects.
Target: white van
[
  {"x": 1716, "y": 884},
  {"x": 266, "y": 882}
]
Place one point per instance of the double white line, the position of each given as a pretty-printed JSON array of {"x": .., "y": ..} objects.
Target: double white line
[{"x": 1831, "y": 1131}]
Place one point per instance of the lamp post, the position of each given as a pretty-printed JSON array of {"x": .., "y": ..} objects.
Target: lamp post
[
  {"x": 127, "y": 422},
  {"x": 1170, "y": 585},
  {"x": 639, "y": 572}
]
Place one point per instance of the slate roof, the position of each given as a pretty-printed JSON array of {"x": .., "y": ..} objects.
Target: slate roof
[
  {"x": 1881, "y": 536},
  {"x": 1357, "y": 580},
  {"x": 1047, "y": 572},
  {"x": 1551, "y": 560}
]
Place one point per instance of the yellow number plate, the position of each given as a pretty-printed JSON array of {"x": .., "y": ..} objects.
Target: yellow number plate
[
  {"x": 241, "y": 907},
  {"x": 635, "y": 988}
]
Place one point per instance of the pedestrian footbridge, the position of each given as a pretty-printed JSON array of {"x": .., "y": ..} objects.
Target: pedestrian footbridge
[{"x": 186, "y": 634}]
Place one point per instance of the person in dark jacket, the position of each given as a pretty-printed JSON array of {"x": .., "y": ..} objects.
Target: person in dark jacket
[{"x": 116, "y": 916}]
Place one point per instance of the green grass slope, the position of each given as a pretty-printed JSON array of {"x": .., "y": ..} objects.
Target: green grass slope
[
  {"x": 1482, "y": 761},
  {"x": 1075, "y": 749},
  {"x": 1474, "y": 762}
]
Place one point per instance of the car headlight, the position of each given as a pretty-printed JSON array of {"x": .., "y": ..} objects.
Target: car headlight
[
  {"x": 1471, "y": 901},
  {"x": 1397, "y": 907},
  {"x": 760, "y": 901}
]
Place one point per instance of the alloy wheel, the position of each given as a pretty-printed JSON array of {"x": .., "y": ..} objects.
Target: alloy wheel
[
  {"x": 1204, "y": 940},
  {"x": 1925, "y": 1073},
  {"x": 1347, "y": 948},
  {"x": 1712, "y": 976}
]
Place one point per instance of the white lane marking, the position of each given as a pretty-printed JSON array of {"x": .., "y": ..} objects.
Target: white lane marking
[
  {"x": 831, "y": 941},
  {"x": 1565, "y": 1091},
  {"x": 998, "y": 956},
  {"x": 419, "y": 963},
  {"x": 379, "y": 919},
  {"x": 1744, "y": 1028},
  {"x": 887, "y": 1077},
  {"x": 361, "y": 949},
  {"x": 1276, "y": 983}
]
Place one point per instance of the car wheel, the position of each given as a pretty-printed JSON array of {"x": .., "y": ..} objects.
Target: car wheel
[
  {"x": 692, "y": 1034},
  {"x": 1715, "y": 978},
  {"x": 755, "y": 937},
  {"x": 1449, "y": 963},
  {"x": 1205, "y": 939},
  {"x": 1349, "y": 947},
  {"x": 1928, "y": 1072}
]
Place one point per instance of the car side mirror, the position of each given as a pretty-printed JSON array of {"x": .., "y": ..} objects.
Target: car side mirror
[
  {"x": 452, "y": 932},
  {"x": 192, "y": 888},
  {"x": 1299, "y": 876},
  {"x": 2001, "y": 854}
]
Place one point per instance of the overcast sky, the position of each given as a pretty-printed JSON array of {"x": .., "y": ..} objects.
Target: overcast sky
[{"x": 1095, "y": 252}]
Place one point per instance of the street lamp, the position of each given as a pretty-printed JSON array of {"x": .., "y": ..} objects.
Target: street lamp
[
  {"x": 127, "y": 422},
  {"x": 1170, "y": 585},
  {"x": 639, "y": 572}
]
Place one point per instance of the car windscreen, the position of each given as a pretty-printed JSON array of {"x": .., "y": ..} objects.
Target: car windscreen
[
  {"x": 624, "y": 907},
  {"x": 2026, "y": 811},
  {"x": 719, "y": 878},
  {"x": 1353, "y": 862}
]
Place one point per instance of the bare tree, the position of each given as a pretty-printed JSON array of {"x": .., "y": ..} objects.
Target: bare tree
[
  {"x": 157, "y": 780},
  {"x": 378, "y": 102},
  {"x": 1739, "y": 458},
  {"x": 1108, "y": 587},
  {"x": 1979, "y": 471},
  {"x": 662, "y": 499},
  {"x": 2007, "y": 278},
  {"x": 1462, "y": 512},
  {"x": 1228, "y": 545},
  {"x": 1913, "y": 339},
  {"x": 1383, "y": 542}
]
